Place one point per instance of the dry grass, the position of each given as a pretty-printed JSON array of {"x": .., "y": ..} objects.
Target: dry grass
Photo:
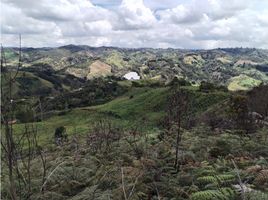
[{"x": 99, "y": 68}]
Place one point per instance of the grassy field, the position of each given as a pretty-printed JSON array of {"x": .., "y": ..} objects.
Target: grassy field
[
  {"x": 140, "y": 107},
  {"x": 242, "y": 82}
]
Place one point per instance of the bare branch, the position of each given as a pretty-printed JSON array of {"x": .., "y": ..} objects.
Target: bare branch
[
  {"x": 51, "y": 173},
  {"x": 239, "y": 181},
  {"x": 123, "y": 184}
]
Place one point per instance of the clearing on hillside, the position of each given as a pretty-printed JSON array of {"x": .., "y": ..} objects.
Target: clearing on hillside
[{"x": 98, "y": 69}]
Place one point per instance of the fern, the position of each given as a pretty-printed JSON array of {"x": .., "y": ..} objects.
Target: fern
[
  {"x": 92, "y": 193},
  {"x": 48, "y": 195},
  {"x": 228, "y": 192},
  {"x": 223, "y": 179},
  {"x": 207, "y": 172},
  {"x": 256, "y": 195},
  {"x": 208, "y": 195},
  {"x": 207, "y": 180},
  {"x": 211, "y": 186},
  {"x": 262, "y": 178},
  {"x": 221, "y": 194},
  {"x": 226, "y": 179}
]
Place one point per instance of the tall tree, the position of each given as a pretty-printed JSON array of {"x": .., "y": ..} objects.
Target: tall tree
[
  {"x": 258, "y": 100},
  {"x": 239, "y": 112}
]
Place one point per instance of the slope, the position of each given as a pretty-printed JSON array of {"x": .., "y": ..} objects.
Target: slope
[{"x": 141, "y": 108}]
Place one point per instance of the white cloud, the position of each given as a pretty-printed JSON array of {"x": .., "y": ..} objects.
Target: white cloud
[
  {"x": 180, "y": 14},
  {"x": 133, "y": 14},
  {"x": 263, "y": 18},
  {"x": 218, "y": 9},
  {"x": 86, "y": 28},
  {"x": 14, "y": 21},
  {"x": 50, "y": 10},
  {"x": 136, "y": 23}
]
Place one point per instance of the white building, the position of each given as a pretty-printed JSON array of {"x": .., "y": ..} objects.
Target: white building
[{"x": 132, "y": 76}]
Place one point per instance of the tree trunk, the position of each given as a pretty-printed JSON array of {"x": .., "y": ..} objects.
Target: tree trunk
[
  {"x": 10, "y": 154},
  {"x": 177, "y": 145}
]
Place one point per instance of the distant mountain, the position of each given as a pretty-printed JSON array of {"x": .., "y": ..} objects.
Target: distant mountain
[{"x": 237, "y": 68}]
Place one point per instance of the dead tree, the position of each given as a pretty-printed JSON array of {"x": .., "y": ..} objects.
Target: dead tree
[
  {"x": 18, "y": 150},
  {"x": 178, "y": 106},
  {"x": 7, "y": 117},
  {"x": 103, "y": 135}
]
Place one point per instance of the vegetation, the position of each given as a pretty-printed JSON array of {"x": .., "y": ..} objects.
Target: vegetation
[
  {"x": 242, "y": 82},
  {"x": 108, "y": 138},
  {"x": 238, "y": 68}
]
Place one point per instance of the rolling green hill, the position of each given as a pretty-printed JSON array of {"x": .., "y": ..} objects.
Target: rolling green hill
[
  {"x": 143, "y": 108},
  {"x": 217, "y": 65}
]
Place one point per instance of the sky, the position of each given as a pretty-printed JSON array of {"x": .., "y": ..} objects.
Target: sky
[{"x": 189, "y": 24}]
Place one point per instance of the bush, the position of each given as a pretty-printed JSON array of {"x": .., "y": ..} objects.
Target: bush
[
  {"x": 180, "y": 81},
  {"x": 222, "y": 148},
  {"x": 207, "y": 87}
]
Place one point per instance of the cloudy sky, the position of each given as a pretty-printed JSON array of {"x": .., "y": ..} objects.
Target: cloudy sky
[{"x": 136, "y": 23}]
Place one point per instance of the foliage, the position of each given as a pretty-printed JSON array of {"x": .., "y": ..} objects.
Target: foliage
[
  {"x": 119, "y": 149},
  {"x": 209, "y": 87},
  {"x": 239, "y": 111},
  {"x": 256, "y": 195},
  {"x": 222, "y": 194}
]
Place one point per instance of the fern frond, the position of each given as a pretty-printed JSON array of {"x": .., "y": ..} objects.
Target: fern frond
[
  {"x": 226, "y": 179},
  {"x": 208, "y": 195},
  {"x": 221, "y": 194},
  {"x": 207, "y": 180},
  {"x": 262, "y": 178},
  {"x": 228, "y": 192},
  {"x": 256, "y": 195},
  {"x": 207, "y": 172}
]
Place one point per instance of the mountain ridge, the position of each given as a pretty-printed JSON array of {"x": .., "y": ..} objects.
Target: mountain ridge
[{"x": 219, "y": 65}]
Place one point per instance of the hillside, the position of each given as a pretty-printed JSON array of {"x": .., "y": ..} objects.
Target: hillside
[
  {"x": 127, "y": 142},
  {"x": 134, "y": 100},
  {"x": 138, "y": 105},
  {"x": 218, "y": 65},
  {"x": 194, "y": 127}
]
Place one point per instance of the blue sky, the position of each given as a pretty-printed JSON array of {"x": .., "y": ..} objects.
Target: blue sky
[
  {"x": 136, "y": 23},
  {"x": 152, "y": 4}
]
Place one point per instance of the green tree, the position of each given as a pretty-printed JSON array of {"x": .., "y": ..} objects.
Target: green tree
[{"x": 239, "y": 112}]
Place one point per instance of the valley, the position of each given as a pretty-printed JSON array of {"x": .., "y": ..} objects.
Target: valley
[
  {"x": 193, "y": 126},
  {"x": 239, "y": 68}
]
